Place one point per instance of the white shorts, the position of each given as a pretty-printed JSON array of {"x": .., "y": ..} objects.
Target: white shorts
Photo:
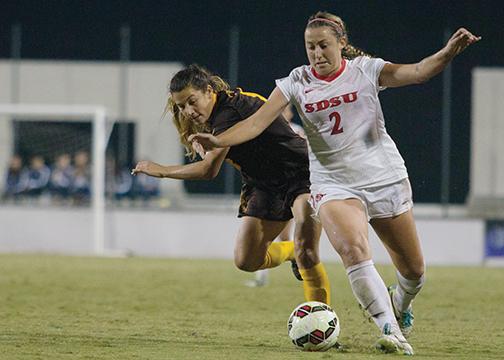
[{"x": 380, "y": 202}]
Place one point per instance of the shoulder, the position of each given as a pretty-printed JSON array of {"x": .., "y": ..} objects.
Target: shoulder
[
  {"x": 289, "y": 85},
  {"x": 296, "y": 74},
  {"x": 234, "y": 100},
  {"x": 299, "y": 72},
  {"x": 364, "y": 61},
  {"x": 369, "y": 67},
  {"x": 225, "y": 107},
  {"x": 233, "y": 106}
]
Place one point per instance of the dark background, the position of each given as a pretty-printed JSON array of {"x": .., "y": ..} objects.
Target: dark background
[{"x": 271, "y": 44}]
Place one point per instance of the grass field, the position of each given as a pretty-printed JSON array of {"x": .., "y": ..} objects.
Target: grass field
[{"x": 54, "y": 307}]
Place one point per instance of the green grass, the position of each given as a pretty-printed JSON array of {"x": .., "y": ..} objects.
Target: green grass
[{"x": 54, "y": 307}]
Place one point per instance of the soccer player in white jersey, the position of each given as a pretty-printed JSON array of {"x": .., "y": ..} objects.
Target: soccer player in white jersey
[{"x": 357, "y": 173}]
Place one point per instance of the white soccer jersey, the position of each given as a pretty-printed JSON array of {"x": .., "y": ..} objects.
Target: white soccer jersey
[
  {"x": 344, "y": 125},
  {"x": 297, "y": 129}
]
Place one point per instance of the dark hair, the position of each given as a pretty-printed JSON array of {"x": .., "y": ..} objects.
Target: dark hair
[
  {"x": 338, "y": 27},
  {"x": 198, "y": 78}
]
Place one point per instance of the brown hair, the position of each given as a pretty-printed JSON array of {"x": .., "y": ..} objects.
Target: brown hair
[
  {"x": 198, "y": 78},
  {"x": 338, "y": 27}
]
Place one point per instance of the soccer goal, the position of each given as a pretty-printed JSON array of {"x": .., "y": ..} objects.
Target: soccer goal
[{"x": 42, "y": 117}]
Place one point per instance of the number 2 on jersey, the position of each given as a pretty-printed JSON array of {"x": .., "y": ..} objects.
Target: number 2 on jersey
[{"x": 337, "y": 128}]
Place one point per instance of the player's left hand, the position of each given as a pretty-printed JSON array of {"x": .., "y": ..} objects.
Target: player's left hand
[{"x": 459, "y": 41}]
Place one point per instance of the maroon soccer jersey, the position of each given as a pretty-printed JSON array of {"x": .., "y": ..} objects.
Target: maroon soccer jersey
[{"x": 272, "y": 161}]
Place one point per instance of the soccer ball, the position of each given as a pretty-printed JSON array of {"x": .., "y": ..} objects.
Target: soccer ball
[{"x": 313, "y": 326}]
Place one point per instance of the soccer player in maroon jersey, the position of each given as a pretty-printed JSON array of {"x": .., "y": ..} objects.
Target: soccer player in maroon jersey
[{"x": 274, "y": 170}]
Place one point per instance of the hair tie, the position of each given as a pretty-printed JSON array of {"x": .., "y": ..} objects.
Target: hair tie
[{"x": 332, "y": 22}]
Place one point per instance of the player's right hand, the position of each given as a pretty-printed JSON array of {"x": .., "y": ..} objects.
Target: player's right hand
[
  {"x": 207, "y": 141},
  {"x": 143, "y": 167}
]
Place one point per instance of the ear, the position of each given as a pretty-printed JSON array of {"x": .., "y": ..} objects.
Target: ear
[
  {"x": 210, "y": 89},
  {"x": 343, "y": 42}
]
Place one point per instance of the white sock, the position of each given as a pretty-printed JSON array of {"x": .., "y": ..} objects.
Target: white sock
[
  {"x": 406, "y": 291},
  {"x": 371, "y": 292},
  {"x": 262, "y": 276}
]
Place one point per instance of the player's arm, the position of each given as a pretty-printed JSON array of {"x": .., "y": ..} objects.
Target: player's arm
[
  {"x": 395, "y": 75},
  {"x": 206, "y": 169},
  {"x": 247, "y": 129}
]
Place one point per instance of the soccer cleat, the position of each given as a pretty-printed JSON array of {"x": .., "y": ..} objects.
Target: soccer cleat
[
  {"x": 392, "y": 341},
  {"x": 406, "y": 318},
  {"x": 295, "y": 270}
]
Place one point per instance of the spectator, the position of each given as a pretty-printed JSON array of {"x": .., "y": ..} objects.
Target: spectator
[
  {"x": 119, "y": 184},
  {"x": 123, "y": 183},
  {"x": 16, "y": 180},
  {"x": 146, "y": 187},
  {"x": 38, "y": 177},
  {"x": 62, "y": 177},
  {"x": 81, "y": 187}
]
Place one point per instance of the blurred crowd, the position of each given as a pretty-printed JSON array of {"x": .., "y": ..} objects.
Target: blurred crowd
[{"x": 68, "y": 181}]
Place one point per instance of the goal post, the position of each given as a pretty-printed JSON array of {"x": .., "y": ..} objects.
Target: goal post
[{"x": 101, "y": 130}]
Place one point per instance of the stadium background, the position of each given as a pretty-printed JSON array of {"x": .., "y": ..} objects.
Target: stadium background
[
  {"x": 93, "y": 52},
  {"x": 271, "y": 43},
  {"x": 173, "y": 307}
]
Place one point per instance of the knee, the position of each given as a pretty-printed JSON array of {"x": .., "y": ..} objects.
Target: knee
[
  {"x": 414, "y": 270},
  {"x": 354, "y": 251},
  {"x": 245, "y": 264}
]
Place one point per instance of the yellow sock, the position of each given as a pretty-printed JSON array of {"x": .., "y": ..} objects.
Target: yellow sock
[
  {"x": 316, "y": 284},
  {"x": 277, "y": 253}
]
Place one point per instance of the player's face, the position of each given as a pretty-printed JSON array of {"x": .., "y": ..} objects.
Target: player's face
[
  {"x": 323, "y": 49},
  {"x": 195, "y": 104}
]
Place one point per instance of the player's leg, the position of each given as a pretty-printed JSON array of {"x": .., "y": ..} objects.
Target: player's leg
[
  {"x": 400, "y": 237},
  {"x": 345, "y": 223},
  {"x": 306, "y": 240},
  {"x": 261, "y": 276},
  {"x": 254, "y": 247},
  {"x": 287, "y": 233}
]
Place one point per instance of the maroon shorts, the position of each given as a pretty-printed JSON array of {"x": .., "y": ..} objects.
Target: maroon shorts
[{"x": 268, "y": 204}]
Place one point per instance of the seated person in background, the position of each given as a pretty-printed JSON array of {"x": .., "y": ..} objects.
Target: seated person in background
[
  {"x": 146, "y": 187},
  {"x": 123, "y": 183},
  {"x": 61, "y": 177},
  {"x": 16, "y": 179},
  {"x": 81, "y": 187},
  {"x": 38, "y": 177},
  {"x": 118, "y": 181}
]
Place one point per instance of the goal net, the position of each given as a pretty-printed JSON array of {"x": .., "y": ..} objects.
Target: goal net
[{"x": 53, "y": 156}]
